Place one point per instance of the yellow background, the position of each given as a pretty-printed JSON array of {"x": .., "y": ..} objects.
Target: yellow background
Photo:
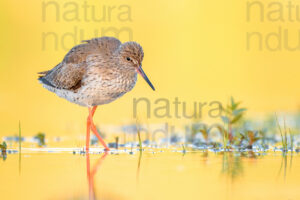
[{"x": 194, "y": 50}]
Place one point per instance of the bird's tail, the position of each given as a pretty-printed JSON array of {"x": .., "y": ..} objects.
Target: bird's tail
[{"x": 42, "y": 74}]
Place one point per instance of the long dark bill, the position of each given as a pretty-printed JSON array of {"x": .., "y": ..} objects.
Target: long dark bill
[{"x": 142, "y": 73}]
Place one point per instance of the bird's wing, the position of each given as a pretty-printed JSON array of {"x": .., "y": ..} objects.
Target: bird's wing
[
  {"x": 104, "y": 45},
  {"x": 68, "y": 74},
  {"x": 64, "y": 76}
]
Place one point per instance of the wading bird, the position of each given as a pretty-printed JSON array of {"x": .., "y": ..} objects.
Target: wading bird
[{"x": 96, "y": 72}]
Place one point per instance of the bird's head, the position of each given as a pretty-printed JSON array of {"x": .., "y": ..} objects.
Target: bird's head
[{"x": 131, "y": 55}]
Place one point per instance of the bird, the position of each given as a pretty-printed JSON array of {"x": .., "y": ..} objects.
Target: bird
[{"x": 96, "y": 72}]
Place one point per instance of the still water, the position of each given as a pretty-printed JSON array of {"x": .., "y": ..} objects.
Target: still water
[{"x": 151, "y": 175}]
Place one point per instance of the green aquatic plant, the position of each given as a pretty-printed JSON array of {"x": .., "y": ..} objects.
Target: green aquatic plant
[
  {"x": 292, "y": 139},
  {"x": 263, "y": 138},
  {"x": 205, "y": 132},
  {"x": 202, "y": 128},
  {"x": 197, "y": 126},
  {"x": 20, "y": 137},
  {"x": 20, "y": 140},
  {"x": 140, "y": 141},
  {"x": 139, "y": 166},
  {"x": 225, "y": 137},
  {"x": 251, "y": 137},
  {"x": 284, "y": 136},
  {"x": 40, "y": 137},
  {"x": 117, "y": 142},
  {"x": 183, "y": 149},
  {"x": 240, "y": 139},
  {"x": 139, "y": 135},
  {"x": 233, "y": 115},
  {"x": 3, "y": 147}
]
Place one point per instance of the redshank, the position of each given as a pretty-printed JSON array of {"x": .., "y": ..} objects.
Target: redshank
[{"x": 96, "y": 72}]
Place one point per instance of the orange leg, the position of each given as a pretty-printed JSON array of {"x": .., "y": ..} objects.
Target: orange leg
[
  {"x": 94, "y": 110},
  {"x": 93, "y": 127},
  {"x": 91, "y": 174},
  {"x": 89, "y": 177},
  {"x": 87, "y": 139}
]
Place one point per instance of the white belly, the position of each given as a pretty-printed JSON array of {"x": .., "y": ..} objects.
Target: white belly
[{"x": 95, "y": 93}]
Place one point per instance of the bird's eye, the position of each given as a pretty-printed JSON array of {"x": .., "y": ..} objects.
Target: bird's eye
[{"x": 128, "y": 59}]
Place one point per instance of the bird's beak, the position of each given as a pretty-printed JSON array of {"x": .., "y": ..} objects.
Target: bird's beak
[{"x": 142, "y": 73}]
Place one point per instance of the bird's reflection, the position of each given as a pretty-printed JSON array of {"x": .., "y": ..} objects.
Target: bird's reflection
[{"x": 91, "y": 174}]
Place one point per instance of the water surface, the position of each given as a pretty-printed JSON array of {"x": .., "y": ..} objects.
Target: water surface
[{"x": 150, "y": 175}]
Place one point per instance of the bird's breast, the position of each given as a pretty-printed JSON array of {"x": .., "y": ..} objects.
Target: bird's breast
[{"x": 101, "y": 88}]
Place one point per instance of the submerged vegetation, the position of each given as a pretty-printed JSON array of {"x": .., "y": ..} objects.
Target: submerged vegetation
[
  {"x": 250, "y": 137},
  {"x": 232, "y": 132},
  {"x": 238, "y": 133},
  {"x": 227, "y": 152},
  {"x": 284, "y": 137},
  {"x": 40, "y": 137},
  {"x": 233, "y": 115},
  {"x": 3, "y": 148}
]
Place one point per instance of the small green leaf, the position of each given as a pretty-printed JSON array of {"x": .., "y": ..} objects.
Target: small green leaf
[
  {"x": 242, "y": 136},
  {"x": 232, "y": 102},
  {"x": 225, "y": 119},
  {"x": 4, "y": 144},
  {"x": 256, "y": 139},
  {"x": 236, "y": 118},
  {"x": 239, "y": 111}
]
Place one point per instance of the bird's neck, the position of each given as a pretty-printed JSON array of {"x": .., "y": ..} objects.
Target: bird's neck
[{"x": 128, "y": 72}]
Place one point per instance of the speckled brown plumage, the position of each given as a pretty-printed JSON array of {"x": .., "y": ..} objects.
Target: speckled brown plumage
[{"x": 95, "y": 72}]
